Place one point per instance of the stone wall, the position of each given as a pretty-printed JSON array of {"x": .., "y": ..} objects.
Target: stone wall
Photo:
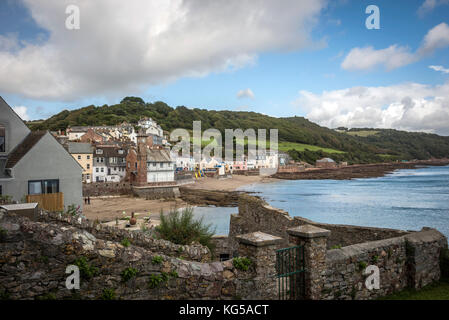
[
  {"x": 407, "y": 261},
  {"x": 190, "y": 252},
  {"x": 34, "y": 256},
  {"x": 256, "y": 215},
  {"x": 96, "y": 189},
  {"x": 157, "y": 192}
]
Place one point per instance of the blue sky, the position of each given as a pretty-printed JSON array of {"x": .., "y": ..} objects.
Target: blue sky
[{"x": 276, "y": 73}]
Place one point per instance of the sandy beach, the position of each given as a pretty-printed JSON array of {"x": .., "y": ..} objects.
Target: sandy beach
[
  {"x": 109, "y": 208},
  {"x": 230, "y": 184}
]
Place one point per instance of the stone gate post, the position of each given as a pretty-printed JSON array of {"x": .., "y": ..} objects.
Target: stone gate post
[
  {"x": 261, "y": 249},
  {"x": 314, "y": 240}
]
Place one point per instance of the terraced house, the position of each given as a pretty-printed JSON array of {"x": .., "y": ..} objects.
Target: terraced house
[
  {"x": 34, "y": 167},
  {"x": 83, "y": 153},
  {"x": 109, "y": 164}
]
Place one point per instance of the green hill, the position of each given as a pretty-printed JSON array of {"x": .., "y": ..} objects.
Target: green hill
[{"x": 302, "y": 139}]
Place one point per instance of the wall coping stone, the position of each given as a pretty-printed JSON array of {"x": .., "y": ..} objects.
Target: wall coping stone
[
  {"x": 258, "y": 239},
  {"x": 425, "y": 235},
  {"x": 308, "y": 231}
]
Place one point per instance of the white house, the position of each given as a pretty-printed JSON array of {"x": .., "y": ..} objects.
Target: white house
[{"x": 160, "y": 167}]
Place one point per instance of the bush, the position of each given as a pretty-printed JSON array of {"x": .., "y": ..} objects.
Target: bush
[
  {"x": 241, "y": 263},
  {"x": 155, "y": 280},
  {"x": 128, "y": 274},
  {"x": 182, "y": 228},
  {"x": 156, "y": 260},
  {"x": 87, "y": 271},
  {"x": 125, "y": 242},
  {"x": 108, "y": 294}
]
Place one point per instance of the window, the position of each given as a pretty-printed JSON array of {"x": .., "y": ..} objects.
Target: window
[
  {"x": 43, "y": 186},
  {"x": 96, "y": 170},
  {"x": 162, "y": 165},
  {"x": 102, "y": 169},
  {"x": 88, "y": 166},
  {"x": 2, "y": 139},
  {"x": 88, "y": 157},
  {"x": 99, "y": 151},
  {"x": 79, "y": 157}
]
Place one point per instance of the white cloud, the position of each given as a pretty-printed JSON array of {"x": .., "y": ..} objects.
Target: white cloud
[
  {"x": 395, "y": 56},
  {"x": 411, "y": 107},
  {"x": 22, "y": 112},
  {"x": 439, "y": 68},
  {"x": 247, "y": 93},
  {"x": 125, "y": 46},
  {"x": 429, "y": 5}
]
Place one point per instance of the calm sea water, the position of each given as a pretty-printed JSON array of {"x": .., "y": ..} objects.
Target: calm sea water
[{"x": 405, "y": 199}]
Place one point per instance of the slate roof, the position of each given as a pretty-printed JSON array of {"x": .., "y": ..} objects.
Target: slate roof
[
  {"x": 22, "y": 149},
  {"x": 158, "y": 155},
  {"x": 79, "y": 147}
]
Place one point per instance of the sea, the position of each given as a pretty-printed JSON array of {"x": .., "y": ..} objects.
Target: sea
[{"x": 406, "y": 199}]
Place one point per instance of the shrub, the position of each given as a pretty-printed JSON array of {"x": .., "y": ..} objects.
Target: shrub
[
  {"x": 154, "y": 281},
  {"x": 86, "y": 270},
  {"x": 73, "y": 210},
  {"x": 108, "y": 294},
  {"x": 182, "y": 228},
  {"x": 242, "y": 263},
  {"x": 375, "y": 259},
  {"x": 174, "y": 274},
  {"x": 128, "y": 274},
  {"x": 125, "y": 242},
  {"x": 3, "y": 234},
  {"x": 362, "y": 265},
  {"x": 156, "y": 260}
]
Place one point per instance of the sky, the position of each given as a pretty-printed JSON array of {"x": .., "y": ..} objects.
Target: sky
[{"x": 311, "y": 58}]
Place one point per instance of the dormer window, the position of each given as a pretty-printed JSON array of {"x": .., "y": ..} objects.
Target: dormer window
[
  {"x": 99, "y": 151},
  {"x": 2, "y": 139}
]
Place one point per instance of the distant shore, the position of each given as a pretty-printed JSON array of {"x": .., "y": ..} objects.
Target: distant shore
[{"x": 358, "y": 171}]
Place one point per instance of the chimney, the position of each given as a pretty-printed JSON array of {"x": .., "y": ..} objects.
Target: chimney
[{"x": 141, "y": 178}]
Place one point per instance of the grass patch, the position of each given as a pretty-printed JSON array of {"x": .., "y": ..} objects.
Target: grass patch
[
  {"x": 435, "y": 291},
  {"x": 156, "y": 260},
  {"x": 286, "y": 146}
]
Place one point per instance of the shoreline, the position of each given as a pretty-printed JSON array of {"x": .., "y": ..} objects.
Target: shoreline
[{"x": 374, "y": 170}]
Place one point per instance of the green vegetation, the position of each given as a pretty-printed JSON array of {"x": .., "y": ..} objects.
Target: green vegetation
[
  {"x": 435, "y": 291},
  {"x": 3, "y": 234},
  {"x": 126, "y": 243},
  {"x": 5, "y": 199},
  {"x": 128, "y": 274},
  {"x": 337, "y": 246},
  {"x": 108, "y": 294},
  {"x": 362, "y": 265},
  {"x": 302, "y": 139},
  {"x": 155, "y": 280},
  {"x": 241, "y": 263},
  {"x": 47, "y": 296},
  {"x": 73, "y": 210},
  {"x": 156, "y": 260},
  {"x": 86, "y": 270},
  {"x": 375, "y": 259},
  {"x": 182, "y": 228}
]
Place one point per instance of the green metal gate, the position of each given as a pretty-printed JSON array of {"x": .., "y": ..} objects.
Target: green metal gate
[{"x": 290, "y": 273}]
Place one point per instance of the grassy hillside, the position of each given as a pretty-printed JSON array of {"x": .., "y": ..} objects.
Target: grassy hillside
[{"x": 302, "y": 139}]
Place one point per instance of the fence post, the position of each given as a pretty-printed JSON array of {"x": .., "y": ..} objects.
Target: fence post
[
  {"x": 314, "y": 240},
  {"x": 261, "y": 249}
]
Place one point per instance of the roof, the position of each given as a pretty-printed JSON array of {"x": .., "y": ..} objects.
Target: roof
[
  {"x": 110, "y": 151},
  {"x": 326, "y": 160},
  {"x": 158, "y": 155},
  {"x": 80, "y": 147},
  {"x": 22, "y": 149}
]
